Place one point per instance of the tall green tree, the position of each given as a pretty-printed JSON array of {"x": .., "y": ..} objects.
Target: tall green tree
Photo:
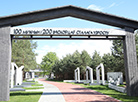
[
  {"x": 64, "y": 68},
  {"x": 23, "y": 53},
  {"x": 96, "y": 60},
  {"x": 108, "y": 62},
  {"x": 48, "y": 61},
  {"x": 85, "y": 61},
  {"x": 118, "y": 53}
]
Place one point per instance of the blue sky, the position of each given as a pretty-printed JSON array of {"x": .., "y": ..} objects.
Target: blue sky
[{"x": 124, "y": 8}]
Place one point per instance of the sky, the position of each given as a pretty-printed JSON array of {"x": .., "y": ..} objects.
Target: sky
[{"x": 123, "y": 8}]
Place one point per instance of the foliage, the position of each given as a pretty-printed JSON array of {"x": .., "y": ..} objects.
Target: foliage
[
  {"x": 109, "y": 62},
  {"x": 118, "y": 53},
  {"x": 86, "y": 61},
  {"x": 96, "y": 60},
  {"x": 114, "y": 62},
  {"x": 23, "y": 53},
  {"x": 64, "y": 68},
  {"x": 47, "y": 62}
]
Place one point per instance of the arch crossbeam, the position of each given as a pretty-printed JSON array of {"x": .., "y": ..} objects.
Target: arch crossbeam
[{"x": 64, "y": 11}]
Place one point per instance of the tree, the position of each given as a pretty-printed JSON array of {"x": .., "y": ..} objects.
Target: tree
[
  {"x": 47, "y": 62},
  {"x": 64, "y": 68},
  {"x": 85, "y": 61},
  {"x": 23, "y": 53},
  {"x": 118, "y": 53},
  {"x": 96, "y": 60},
  {"x": 108, "y": 62}
]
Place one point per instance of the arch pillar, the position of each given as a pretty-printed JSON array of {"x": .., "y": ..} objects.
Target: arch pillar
[
  {"x": 130, "y": 58},
  {"x": 5, "y": 60}
]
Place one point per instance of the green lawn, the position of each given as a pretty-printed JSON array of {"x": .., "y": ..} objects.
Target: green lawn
[
  {"x": 31, "y": 88},
  {"x": 21, "y": 96},
  {"x": 37, "y": 84},
  {"x": 24, "y": 96},
  {"x": 115, "y": 94}
]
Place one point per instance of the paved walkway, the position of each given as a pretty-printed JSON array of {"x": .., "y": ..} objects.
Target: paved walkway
[
  {"x": 51, "y": 93},
  {"x": 71, "y": 93}
]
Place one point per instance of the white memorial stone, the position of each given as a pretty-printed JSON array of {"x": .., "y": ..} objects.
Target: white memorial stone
[
  {"x": 77, "y": 74},
  {"x": 115, "y": 78},
  {"x": 27, "y": 75},
  {"x": 90, "y": 74},
  {"x": 12, "y": 74},
  {"x": 98, "y": 74},
  {"x": 16, "y": 74},
  {"x": 33, "y": 75}
]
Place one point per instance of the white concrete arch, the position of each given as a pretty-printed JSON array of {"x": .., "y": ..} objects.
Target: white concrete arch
[
  {"x": 98, "y": 73},
  {"x": 90, "y": 70},
  {"x": 77, "y": 74},
  {"x": 18, "y": 73}
]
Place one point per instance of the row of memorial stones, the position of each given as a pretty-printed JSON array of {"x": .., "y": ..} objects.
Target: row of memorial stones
[
  {"x": 17, "y": 75},
  {"x": 115, "y": 78}
]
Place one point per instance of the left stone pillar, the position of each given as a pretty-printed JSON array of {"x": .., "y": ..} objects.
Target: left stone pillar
[{"x": 5, "y": 60}]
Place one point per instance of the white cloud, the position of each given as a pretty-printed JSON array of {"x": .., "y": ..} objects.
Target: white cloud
[
  {"x": 62, "y": 49},
  {"x": 113, "y": 4},
  {"x": 95, "y": 7}
]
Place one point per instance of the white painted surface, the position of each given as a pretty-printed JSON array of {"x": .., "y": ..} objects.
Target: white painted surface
[{"x": 66, "y": 31}]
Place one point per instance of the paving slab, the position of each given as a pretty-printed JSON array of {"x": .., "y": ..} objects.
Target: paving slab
[{"x": 51, "y": 93}]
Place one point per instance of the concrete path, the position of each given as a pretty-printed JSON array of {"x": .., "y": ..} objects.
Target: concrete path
[
  {"x": 51, "y": 93},
  {"x": 72, "y": 93}
]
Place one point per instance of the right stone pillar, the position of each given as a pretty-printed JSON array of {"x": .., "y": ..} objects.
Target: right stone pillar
[{"x": 130, "y": 58}]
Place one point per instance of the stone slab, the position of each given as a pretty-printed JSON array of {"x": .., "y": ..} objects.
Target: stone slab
[
  {"x": 17, "y": 89},
  {"x": 27, "y": 83},
  {"x": 117, "y": 88},
  {"x": 20, "y": 86}
]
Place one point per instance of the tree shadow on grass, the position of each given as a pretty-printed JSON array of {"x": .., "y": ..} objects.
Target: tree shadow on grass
[
  {"x": 99, "y": 88},
  {"x": 25, "y": 93}
]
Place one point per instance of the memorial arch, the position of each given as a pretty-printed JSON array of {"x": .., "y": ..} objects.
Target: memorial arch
[{"x": 128, "y": 26}]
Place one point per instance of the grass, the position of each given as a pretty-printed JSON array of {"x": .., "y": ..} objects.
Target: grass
[
  {"x": 107, "y": 91},
  {"x": 122, "y": 85},
  {"x": 21, "y": 96},
  {"x": 37, "y": 84},
  {"x": 24, "y": 96},
  {"x": 33, "y": 88}
]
